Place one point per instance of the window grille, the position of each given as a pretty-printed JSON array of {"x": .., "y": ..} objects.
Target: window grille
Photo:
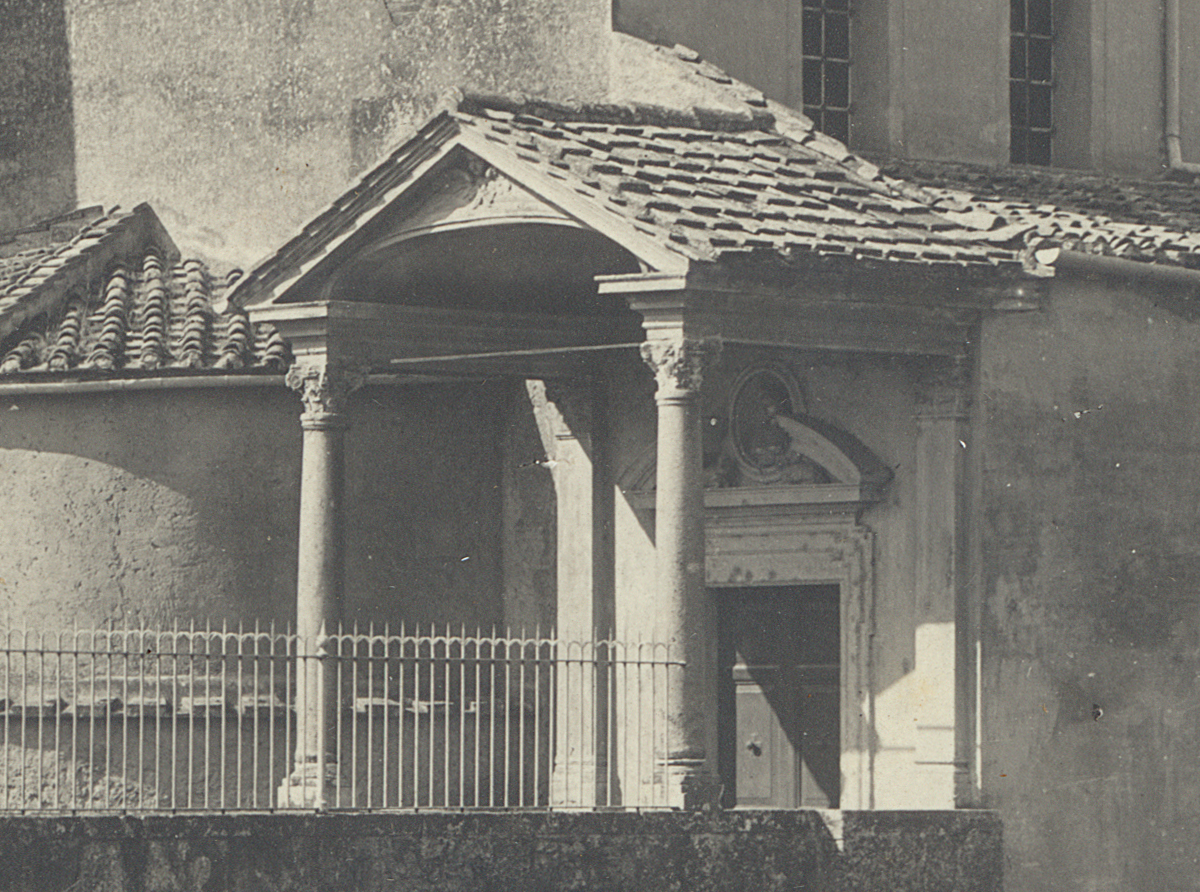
[
  {"x": 1031, "y": 81},
  {"x": 826, "y": 65}
]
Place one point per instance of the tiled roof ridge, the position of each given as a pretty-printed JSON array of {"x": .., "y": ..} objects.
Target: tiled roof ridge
[
  {"x": 49, "y": 230},
  {"x": 744, "y": 175},
  {"x": 93, "y": 230},
  {"x": 633, "y": 114}
]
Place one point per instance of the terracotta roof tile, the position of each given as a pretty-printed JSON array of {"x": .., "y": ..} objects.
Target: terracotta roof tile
[
  {"x": 704, "y": 151},
  {"x": 810, "y": 202},
  {"x": 1155, "y": 221},
  {"x": 145, "y": 318},
  {"x": 31, "y": 257}
]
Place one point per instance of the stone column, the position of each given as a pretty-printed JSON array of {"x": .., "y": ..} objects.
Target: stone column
[
  {"x": 686, "y": 614},
  {"x": 943, "y": 658},
  {"x": 315, "y": 777}
]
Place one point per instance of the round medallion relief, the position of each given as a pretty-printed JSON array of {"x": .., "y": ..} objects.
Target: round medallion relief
[{"x": 762, "y": 447}]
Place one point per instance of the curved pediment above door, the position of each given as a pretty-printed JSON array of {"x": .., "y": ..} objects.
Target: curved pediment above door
[{"x": 766, "y": 450}]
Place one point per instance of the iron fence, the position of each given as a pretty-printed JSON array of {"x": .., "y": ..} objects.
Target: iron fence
[{"x": 234, "y": 720}]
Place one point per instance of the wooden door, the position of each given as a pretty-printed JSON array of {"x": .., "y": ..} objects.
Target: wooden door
[{"x": 780, "y": 705}]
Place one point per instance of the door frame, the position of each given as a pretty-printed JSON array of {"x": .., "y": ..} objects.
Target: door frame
[{"x": 790, "y": 544}]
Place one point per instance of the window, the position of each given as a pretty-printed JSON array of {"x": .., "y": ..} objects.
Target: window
[
  {"x": 826, "y": 65},
  {"x": 1031, "y": 80}
]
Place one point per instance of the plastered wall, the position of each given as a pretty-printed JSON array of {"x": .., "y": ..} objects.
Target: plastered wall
[
  {"x": 1091, "y": 567},
  {"x": 37, "y": 148},
  {"x": 179, "y": 505},
  {"x": 930, "y": 79},
  {"x": 873, "y": 399},
  {"x": 239, "y": 120}
]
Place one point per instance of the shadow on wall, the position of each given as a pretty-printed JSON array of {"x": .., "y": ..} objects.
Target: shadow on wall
[
  {"x": 37, "y": 123},
  {"x": 148, "y": 507}
]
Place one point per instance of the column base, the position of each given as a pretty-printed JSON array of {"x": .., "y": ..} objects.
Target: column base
[
  {"x": 692, "y": 786},
  {"x": 575, "y": 784},
  {"x": 305, "y": 788}
]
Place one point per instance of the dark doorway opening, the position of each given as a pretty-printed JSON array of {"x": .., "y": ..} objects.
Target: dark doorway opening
[{"x": 779, "y": 700}]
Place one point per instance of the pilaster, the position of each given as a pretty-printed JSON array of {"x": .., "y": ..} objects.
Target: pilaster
[
  {"x": 943, "y": 662},
  {"x": 584, "y": 591}
]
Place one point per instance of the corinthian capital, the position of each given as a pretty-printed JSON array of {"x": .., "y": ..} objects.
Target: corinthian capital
[
  {"x": 679, "y": 363},
  {"x": 324, "y": 389}
]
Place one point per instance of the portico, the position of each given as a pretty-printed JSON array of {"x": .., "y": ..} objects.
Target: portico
[{"x": 710, "y": 427}]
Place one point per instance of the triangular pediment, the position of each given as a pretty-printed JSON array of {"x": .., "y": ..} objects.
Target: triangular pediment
[
  {"x": 450, "y": 218},
  {"x": 470, "y": 192}
]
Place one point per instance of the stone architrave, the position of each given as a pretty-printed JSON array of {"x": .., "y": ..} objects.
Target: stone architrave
[
  {"x": 685, "y": 616},
  {"x": 324, "y": 390}
]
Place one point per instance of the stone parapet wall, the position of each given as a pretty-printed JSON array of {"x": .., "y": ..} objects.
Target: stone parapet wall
[{"x": 546, "y": 852}]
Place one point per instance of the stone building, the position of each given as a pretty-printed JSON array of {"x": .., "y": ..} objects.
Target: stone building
[{"x": 896, "y": 453}]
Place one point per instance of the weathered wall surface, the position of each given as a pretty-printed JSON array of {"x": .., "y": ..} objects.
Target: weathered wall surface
[
  {"x": 162, "y": 506},
  {"x": 1091, "y": 568},
  {"x": 924, "y": 86},
  {"x": 873, "y": 399},
  {"x": 530, "y": 519},
  {"x": 763, "y": 852},
  {"x": 37, "y": 149},
  {"x": 239, "y": 120}
]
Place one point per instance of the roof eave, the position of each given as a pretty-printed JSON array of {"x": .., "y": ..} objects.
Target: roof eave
[{"x": 273, "y": 276}]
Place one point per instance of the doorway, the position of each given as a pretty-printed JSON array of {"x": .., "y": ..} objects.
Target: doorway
[{"x": 779, "y": 652}]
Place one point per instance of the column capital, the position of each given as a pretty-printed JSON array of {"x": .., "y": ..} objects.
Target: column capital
[
  {"x": 679, "y": 364},
  {"x": 943, "y": 390},
  {"x": 324, "y": 389}
]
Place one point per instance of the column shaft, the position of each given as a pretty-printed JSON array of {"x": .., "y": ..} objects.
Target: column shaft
[
  {"x": 684, "y": 607},
  {"x": 315, "y": 778}
]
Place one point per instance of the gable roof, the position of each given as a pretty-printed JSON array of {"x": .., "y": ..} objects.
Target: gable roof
[
  {"x": 673, "y": 187},
  {"x": 43, "y": 262}
]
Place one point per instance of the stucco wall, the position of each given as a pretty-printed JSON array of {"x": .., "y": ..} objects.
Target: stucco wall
[
  {"x": 925, "y": 86},
  {"x": 37, "y": 160},
  {"x": 239, "y": 120},
  {"x": 873, "y": 399},
  {"x": 1091, "y": 567},
  {"x": 755, "y": 852},
  {"x": 178, "y": 505}
]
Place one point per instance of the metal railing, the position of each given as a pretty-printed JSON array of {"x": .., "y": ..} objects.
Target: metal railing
[{"x": 221, "y": 720}]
